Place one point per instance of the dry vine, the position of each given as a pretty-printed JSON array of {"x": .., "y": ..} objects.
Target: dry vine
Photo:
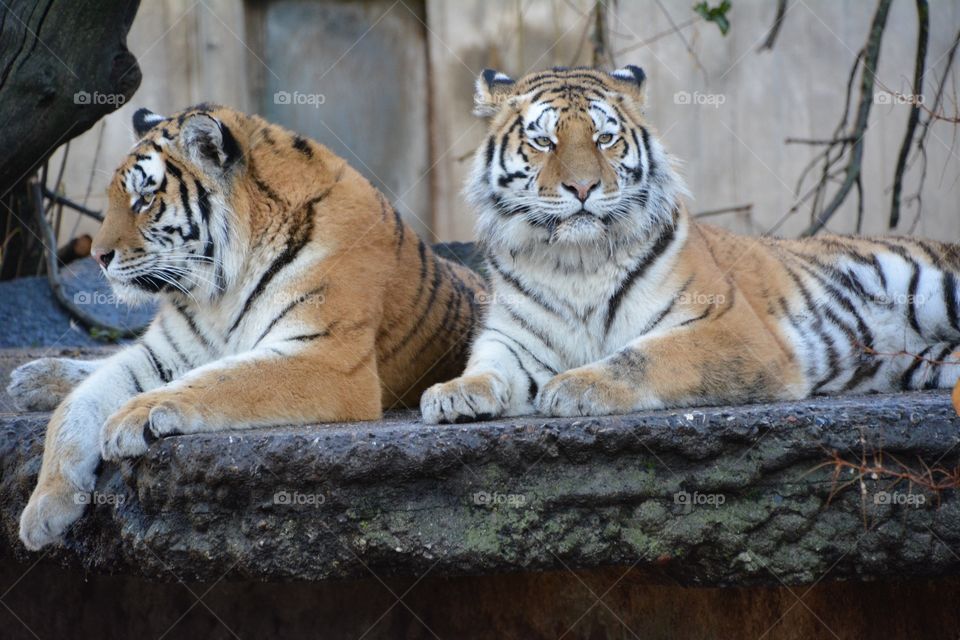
[{"x": 878, "y": 466}]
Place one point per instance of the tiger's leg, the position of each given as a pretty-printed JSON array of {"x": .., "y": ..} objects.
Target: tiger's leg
[
  {"x": 501, "y": 379},
  {"x": 317, "y": 377},
  {"x": 683, "y": 367},
  {"x": 71, "y": 452},
  {"x": 40, "y": 385}
]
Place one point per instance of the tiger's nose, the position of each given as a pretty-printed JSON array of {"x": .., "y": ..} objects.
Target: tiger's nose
[
  {"x": 103, "y": 257},
  {"x": 582, "y": 189}
]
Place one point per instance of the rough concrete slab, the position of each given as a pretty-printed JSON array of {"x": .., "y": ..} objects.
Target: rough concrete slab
[{"x": 716, "y": 496}]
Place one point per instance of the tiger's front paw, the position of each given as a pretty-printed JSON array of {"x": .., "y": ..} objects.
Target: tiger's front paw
[
  {"x": 42, "y": 384},
  {"x": 465, "y": 399},
  {"x": 585, "y": 391},
  {"x": 54, "y": 505},
  {"x": 132, "y": 427}
]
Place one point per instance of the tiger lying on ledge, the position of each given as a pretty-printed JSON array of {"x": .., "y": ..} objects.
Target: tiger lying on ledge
[
  {"x": 609, "y": 297},
  {"x": 290, "y": 292}
]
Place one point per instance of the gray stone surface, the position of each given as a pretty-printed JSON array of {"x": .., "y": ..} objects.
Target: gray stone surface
[
  {"x": 31, "y": 317},
  {"x": 400, "y": 498}
]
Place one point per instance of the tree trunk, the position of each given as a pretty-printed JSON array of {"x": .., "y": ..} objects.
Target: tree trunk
[{"x": 64, "y": 64}]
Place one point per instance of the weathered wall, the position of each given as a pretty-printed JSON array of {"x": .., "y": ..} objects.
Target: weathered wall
[{"x": 398, "y": 92}]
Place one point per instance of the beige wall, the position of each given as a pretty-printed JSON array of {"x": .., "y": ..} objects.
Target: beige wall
[{"x": 734, "y": 152}]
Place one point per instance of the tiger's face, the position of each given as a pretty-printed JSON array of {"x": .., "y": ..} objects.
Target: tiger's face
[
  {"x": 168, "y": 226},
  {"x": 568, "y": 159}
]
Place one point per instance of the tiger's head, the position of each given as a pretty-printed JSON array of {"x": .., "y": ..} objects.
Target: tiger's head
[
  {"x": 169, "y": 227},
  {"x": 569, "y": 160}
]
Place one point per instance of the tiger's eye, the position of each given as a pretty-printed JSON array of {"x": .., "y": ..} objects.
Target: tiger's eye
[
  {"x": 605, "y": 138},
  {"x": 543, "y": 141}
]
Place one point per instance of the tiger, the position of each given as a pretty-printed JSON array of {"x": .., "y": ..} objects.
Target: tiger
[
  {"x": 289, "y": 291},
  {"x": 609, "y": 297}
]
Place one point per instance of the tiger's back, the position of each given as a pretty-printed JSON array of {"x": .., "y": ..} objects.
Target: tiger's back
[{"x": 859, "y": 314}]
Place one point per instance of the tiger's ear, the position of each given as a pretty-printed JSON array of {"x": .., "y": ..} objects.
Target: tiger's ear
[
  {"x": 492, "y": 89},
  {"x": 209, "y": 143},
  {"x": 144, "y": 120},
  {"x": 633, "y": 81}
]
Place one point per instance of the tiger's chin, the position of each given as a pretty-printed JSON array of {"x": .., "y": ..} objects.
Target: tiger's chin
[
  {"x": 579, "y": 229},
  {"x": 132, "y": 294}
]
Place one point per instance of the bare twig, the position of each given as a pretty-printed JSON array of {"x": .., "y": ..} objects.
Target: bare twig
[
  {"x": 919, "y": 66},
  {"x": 663, "y": 34},
  {"x": 743, "y": 208},
  {"x": 775, "y": 27},
  {"x": 683, "y": 38},
  {"x": 817, "y": 141}
]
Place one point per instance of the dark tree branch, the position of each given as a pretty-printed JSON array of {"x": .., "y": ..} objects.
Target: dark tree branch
[
  {"x": 64, "y": 65},
  {"x": 920, "y": 62},
  {"x": 871, "y": 55},
  {"x": 68, "y": 67}
]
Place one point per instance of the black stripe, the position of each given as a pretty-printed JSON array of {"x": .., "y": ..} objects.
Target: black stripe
[
  {"x": 833, "y": 358},
  {"x": 188, "y": 317},
  {"x": 301, "y": 145},
  {"x": 162, "y": 372},
  {"x": 531, "y": 382},
  {"x": 844, "y": 302},
  {"x": 512, "y": 280},
  {"x": 651, "y": 163},
  {"x": 173, "y": 345},
  {"x": 696, "y": 318},
  {"x": 933, "y": 382},
  {"x": 536, "y": 331},
  {"x": 907, "y": 378},
  {"x": 133, "y": 377},
  {"x": 912, "y": 298},
  {"x": 307, "y": 337},
  {"x": 297, "y": 241},
  {"x": 287, "y": 310},
  {"x": 434, "y": 288},
  {"x": 663, "y": 242},
  {"x": 658, "y": 318},
  {"x": 950, "y": 299},
  {"x": 543, "y": 365}
]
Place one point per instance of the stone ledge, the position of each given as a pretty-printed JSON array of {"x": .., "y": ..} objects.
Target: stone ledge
[{"x": 399, "y": 498}]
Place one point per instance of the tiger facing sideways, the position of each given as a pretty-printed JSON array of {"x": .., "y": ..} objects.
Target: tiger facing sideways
[
  {"x": 290, "y": 292},
  {"x": 608, "y": 297}
]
